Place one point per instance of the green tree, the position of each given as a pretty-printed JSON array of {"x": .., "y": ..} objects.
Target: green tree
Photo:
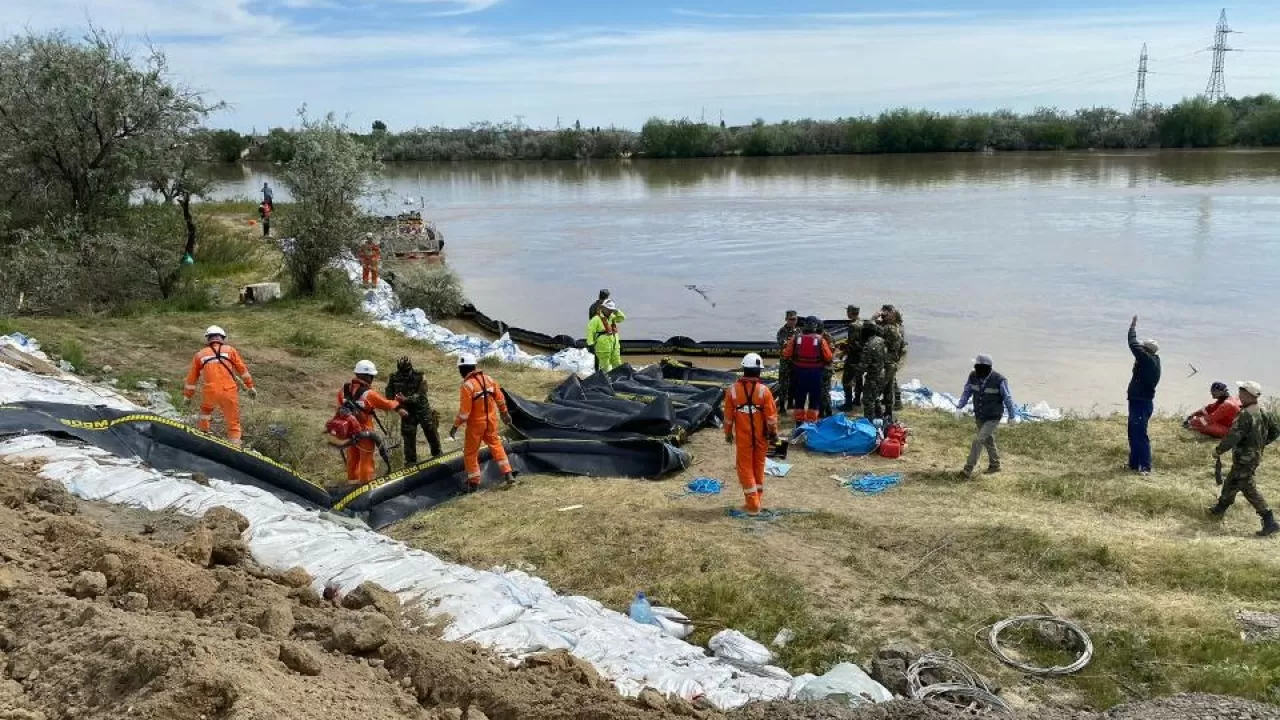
[
  {"x": 329, "y": 174},
  {"x": 75, "y": 118},
  {"x": 279, "y": 145},
  {"x": 1196, "y": 122},
  {"x": 227, "y": 145},
  {"x": 177, "y": 171},
  {"x": 379, "y": 126}
]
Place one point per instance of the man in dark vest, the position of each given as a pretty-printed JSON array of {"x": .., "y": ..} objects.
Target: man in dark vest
[
  {"x": 410, "y": 384},
  {"x": 991, "y": 400}
]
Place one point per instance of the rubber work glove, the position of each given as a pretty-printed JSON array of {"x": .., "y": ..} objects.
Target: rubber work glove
[
  {"x": 253, "y": 393},
  {"x": 453, "y": 433},
  {"x": 728, "y": 438},
  {"x": 187, "y": 401},
  {"x": 506, "y": 418}
]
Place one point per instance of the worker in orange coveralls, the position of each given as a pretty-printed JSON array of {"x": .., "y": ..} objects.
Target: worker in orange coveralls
[
  {"x": 480, "y": 404},
  {"x": 751, "y": 422},
  {"x": 359, "y": 397},
  {"x": 809, "y": 354},
  {"x": 222, "y": 369},
  {"x": 370, "y": 257}
]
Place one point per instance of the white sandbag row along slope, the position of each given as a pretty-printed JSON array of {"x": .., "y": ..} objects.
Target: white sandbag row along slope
[
  {"x": 382, "y": 305},
  {"x": 510, "y": 611}
]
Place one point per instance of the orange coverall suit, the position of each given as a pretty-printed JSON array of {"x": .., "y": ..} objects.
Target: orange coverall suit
[
  {"x": 370, "y": 256},
  {"x": 809, "y": 354},
  {"x": 361, "y": 457},
  {"x": 479, "y": 402},
  {"x": 751, "y": 419},
  {"x": 218, "y": 364}
]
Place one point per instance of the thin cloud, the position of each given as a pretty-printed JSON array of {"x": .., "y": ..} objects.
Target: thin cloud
[{"x": 847, "y": 16}]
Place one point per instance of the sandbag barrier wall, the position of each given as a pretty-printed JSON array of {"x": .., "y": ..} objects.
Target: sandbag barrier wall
[
  {"x": 167, "y": 444},
  {"x": 678, "y": 345}
]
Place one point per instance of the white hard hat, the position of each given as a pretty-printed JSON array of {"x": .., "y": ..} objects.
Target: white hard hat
[
  {"x": 1250, "y": 386},
  {"x": 215, "y": 330},
  {"x": 609, "y": 305},
  {"x": 466, "y": 360},
  {"x": 752, "y": 360},
  {"x": 366, "y": 367}
]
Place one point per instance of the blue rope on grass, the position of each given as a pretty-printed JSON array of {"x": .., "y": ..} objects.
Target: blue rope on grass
[
  {"x": 704, "y": 486},
  {"x": 872, "y": 484}
]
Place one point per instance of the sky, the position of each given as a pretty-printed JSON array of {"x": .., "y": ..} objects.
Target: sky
[{"x": 423, "y": 63}]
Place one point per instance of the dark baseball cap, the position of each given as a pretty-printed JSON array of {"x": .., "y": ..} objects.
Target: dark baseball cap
[
  {"x": 1218, "y": 386},
  {"x": 792, "y": 313},
  {"x": 853, "y": 308}
]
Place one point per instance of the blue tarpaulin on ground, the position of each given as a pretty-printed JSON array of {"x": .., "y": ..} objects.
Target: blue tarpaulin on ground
[{"x": 841, "y": 435}]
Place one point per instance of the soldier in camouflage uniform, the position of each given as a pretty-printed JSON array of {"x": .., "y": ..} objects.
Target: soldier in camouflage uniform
[
  {"x": 790, "y": 328},
  {"x": 902, "y": 356},
  {"x": 409, "y": 383},
  {"x": 828, "y": 375},
  {"x": 895, "y": 346},
  {"x": 851, "y": 378},
  {"x": 1251, "y": 432},
  {"x": 875, "y": 358}
]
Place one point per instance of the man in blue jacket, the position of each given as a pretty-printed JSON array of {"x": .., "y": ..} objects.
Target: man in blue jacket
[{"x": 1142, "y": 396}]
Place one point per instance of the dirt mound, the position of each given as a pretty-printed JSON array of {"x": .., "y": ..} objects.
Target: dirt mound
[
  {"x": 1194, "y": 706},
  {"x": 104, "y": 617}
]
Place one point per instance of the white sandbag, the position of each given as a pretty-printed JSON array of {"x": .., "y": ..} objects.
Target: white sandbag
[
  {"x": 18, "y": 386},
  {"x": 522, "y": 638},
  {"x": 797, "y": 685},
  {"x": 510, "y": 611},
  {"x": 845, "y": 683},
  {"x": 672, "y": 622},
  {"x": 737, "y": 648}
]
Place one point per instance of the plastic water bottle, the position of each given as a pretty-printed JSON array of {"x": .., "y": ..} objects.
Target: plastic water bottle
[{"x": 641, "y": 611}]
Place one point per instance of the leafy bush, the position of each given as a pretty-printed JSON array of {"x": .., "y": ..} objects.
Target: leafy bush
[
  {"x": 338, "y": 294},
  {"x": 436, "y": 289},
  {"x": 70, "y": 350},
  {"x": 329, "y": 173}
]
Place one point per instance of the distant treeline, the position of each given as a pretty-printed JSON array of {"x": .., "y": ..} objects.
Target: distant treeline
[{"x": 1195, "y": 122}]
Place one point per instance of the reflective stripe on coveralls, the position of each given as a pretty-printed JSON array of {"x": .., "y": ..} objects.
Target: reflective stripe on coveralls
[
  {"x": 744, "y": 402},
  {"x": 481, "y": 422},
  {"x": 361, "y": 455},
  {"x": 218, "y": 365}
]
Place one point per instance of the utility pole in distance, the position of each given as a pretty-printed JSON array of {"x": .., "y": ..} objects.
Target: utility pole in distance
[
  {"x": 1216, "y": 90},
  {"x": 1140, "y": 95}
]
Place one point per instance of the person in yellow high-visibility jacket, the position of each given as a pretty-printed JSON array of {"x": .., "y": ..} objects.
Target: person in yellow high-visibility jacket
[{"x": 602, "y": 334}]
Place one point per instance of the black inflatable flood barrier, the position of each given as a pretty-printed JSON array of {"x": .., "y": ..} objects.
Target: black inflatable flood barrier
[
  {"x": 161, "y": 443},
  {"x": 678, "y": 345},
  {"x": 401, "y": 494},
  {"x": 624, "y": 404},
  {"x": 167, "y": 444}
]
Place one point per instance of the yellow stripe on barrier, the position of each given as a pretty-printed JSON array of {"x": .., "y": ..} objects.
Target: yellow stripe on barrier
[{"x": 107, "y": 425}]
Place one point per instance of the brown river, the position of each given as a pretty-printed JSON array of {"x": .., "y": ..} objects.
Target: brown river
[{"x": 1037, "y": 259}]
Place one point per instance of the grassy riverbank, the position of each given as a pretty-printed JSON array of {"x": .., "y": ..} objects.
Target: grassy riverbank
[{"x": 1131, "y": 558}]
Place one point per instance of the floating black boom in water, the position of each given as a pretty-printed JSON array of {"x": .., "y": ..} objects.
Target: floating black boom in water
[{"x": 678, "y": 345}]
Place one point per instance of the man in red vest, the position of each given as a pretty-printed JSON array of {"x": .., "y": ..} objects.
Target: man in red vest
[{"x": 809, "y": 354}]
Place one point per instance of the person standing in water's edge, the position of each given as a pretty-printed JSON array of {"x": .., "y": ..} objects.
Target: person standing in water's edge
[{"x": 1142, "y": 396}]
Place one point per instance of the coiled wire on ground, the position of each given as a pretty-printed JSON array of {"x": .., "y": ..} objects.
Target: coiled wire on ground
[
  {"x": 1086, "y": 653},
  {"x": 965, "y": 687}
]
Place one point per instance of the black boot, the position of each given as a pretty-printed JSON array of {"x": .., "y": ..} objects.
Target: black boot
[
  {"x": 1269, "y": 525},
  {"x": 848, "y": 400},
  {"x": 1218, "y": 510}
]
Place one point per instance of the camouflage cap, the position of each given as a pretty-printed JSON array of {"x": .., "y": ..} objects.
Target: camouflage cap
[
  {"x": 852, "y": 308},
  {"x": 792, "y": 313}
]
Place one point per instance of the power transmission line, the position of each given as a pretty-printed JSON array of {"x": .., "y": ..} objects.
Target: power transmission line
[
  {"x": 1140, "y": 95},
  {"x": 1216, "y": 90}
]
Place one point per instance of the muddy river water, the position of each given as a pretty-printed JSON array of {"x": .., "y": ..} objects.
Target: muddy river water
[{"x": 1037, "y": 259}]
